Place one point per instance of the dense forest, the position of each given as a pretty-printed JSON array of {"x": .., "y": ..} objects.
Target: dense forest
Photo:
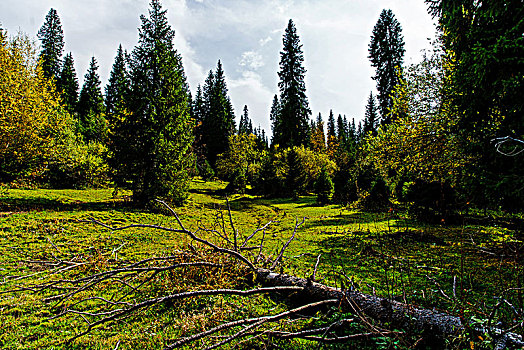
[{"x": 441, "y": 143}]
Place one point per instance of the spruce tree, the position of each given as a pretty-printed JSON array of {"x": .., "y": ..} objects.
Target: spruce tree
[
  {"x": 318, "y": 136},
  {"x": 158, "y": 155},
  {"x": 274, "y": 117},
  {"x": 219, "y": 118},
  {"x": 90, "y": 108},
  {"x": 386, "y": 52},
  {"x": 292, "y": 127},
  {"x": 370, "y": 117},
  {"x": 198, "y": 107},
  {"x": 245, "y": 126},
  {"x": 332, "y": 142},
  {"x": 331, "y": 124},
  {"x": 118, "y": 84},
  {"x": 52, "y": 37},
  {"x": 67, "y": 84}
]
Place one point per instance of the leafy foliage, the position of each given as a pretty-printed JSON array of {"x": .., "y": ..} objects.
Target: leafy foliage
[
  {"x": 487, "y": 82},
  {"x": 34, "y": 127},
  {"x": 241, "y": 163},
  {"x": 324, "y": 187}
]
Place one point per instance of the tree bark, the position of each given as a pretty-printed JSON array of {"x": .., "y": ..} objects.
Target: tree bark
[{"x": 394, "y": 313}]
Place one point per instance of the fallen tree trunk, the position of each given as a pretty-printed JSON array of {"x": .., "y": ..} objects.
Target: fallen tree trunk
[{"x": 394, "y": 313}]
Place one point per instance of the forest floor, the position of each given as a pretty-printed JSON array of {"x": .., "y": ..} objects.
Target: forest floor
[{"x": 463, "y": 269}]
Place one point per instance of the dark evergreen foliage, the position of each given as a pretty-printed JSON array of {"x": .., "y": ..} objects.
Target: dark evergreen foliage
[
  {"x": 157, "y": 158},
  {"x": 67, "y": 84},
  {"x": 370, "y": 117},
  {"x": 487, "y": 86},
  {"x": 245, "y": 126},
  {"x": 90, "y": 108},
  {"x": 331, "y": 128},
  {"x": 52, "y": 37},
  {"x": 118, "y": 84},
  {"x": 386, "y": 52},
  {"x": 274, "y": 116},
  {"x": 291, "y": 127},
  {"x": 219, "y": 118}
]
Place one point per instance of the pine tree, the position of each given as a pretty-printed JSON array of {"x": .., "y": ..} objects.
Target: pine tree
[
  {"x": 52, "y": 38},
  {"x": 291, "y": 126},
  {"x": 274, "y": 117},
  {"x": 370, "y": 117},
  {"x": 342, "y": 132},
  {"x": 198, "y": 106},
  {"x": 245, "y": 126},
  {"x": 386, "y": 52},
  {"x": 219, "y": 118},
  {"x": 158, "y": 155},
  {"x": 352, "y": 133},
  {"x": 318, "y": 137},
  {"x": 331, "y": 124},
  {"x": 118, "y": 84},
  {"x": 67, "y": 84},
  {"x": 90, "y": 108},
  {"x": 332, "y": 144}
]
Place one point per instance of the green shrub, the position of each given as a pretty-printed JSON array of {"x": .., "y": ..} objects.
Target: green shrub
[{"x": 324, "y": 187}]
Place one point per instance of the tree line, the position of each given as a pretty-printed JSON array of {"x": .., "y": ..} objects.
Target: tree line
[{"x": 425, "y": 138}]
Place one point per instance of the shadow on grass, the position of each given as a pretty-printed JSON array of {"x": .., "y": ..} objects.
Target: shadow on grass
[{"x": 40, "y": 204}]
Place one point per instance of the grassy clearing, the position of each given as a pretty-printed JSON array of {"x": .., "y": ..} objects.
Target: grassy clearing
[{"x": 383, "y": 253}]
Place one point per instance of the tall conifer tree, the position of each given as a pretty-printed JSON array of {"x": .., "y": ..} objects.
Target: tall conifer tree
[
  {"x": 274, "y": 117},
  {"x": 118, "y": 84},
  {"x": 219, "y": 118},
  {"x": 291, "y": 127},
  {"x": 158, "y": 157},
  {"x": 371, "y": 116},
  {"x": 331, "y": 124},
  {"x": 90, "y": 108},
  {"x": 245, "y": 126},
  {"x": 386, "y": 52},
  {"x": 67, "y": 84},
  {"x": 52, "y": 37}
]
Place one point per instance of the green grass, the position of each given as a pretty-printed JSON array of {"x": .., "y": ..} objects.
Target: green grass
[{"x": 383, "y": 253}]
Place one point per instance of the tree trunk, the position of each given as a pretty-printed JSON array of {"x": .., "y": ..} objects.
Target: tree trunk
[{"x": 395, "y": 314}]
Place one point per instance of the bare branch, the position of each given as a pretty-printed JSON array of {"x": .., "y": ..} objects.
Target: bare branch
[
  {"x": 118, "y": 313},
  {"x": 254, "y": 321},
  {"x": 297, "y": 225}
]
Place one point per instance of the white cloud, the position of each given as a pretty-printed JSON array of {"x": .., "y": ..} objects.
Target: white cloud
[
  {"x": 252, "y": 60},
  {"x": 249, "y": 90},
  {"x": 263, "y": 42},
  {"x": 246, "y": 36}
]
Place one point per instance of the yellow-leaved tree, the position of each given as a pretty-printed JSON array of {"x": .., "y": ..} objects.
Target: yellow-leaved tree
[{"x": 34, "y": 128}]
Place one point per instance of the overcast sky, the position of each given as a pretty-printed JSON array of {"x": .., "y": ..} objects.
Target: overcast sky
[{"x": 246, "y": 35}]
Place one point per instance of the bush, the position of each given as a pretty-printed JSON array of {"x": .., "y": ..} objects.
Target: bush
[
  {"x": 84, "y": 166},
  {"x": 324, "y": 187},
  {"x": 430, "y": 201}
]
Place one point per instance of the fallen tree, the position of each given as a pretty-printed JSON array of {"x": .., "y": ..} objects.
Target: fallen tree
[{"x": 381, "y": 317}]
